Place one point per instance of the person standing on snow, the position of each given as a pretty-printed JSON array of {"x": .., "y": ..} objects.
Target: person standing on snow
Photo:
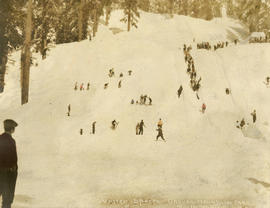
[
  {"x": 254, "y": 116},
  {"x": 69, "y": 108},
  {"x": 94, "y": 127},
  {"x": 203, "y": 107},
  {"x": 8, "y": 164},
  {"x": 114, "y": 124},
  {"x": 137, "y": 128},
  {"x": 120, "y": 84},
  {"x": 76, "y": 86},
  {"x": 88, "y": 86},
  {"x": 81, "y": 87},
  {"x": 141, "y": 127},
  {"x": 150, "y": 101}
]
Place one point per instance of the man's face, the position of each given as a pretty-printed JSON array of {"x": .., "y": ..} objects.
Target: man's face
[{"x": 12, "y": 130}]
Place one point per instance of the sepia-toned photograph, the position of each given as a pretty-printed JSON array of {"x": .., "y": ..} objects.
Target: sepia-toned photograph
[{"x": 134, "y": 103}]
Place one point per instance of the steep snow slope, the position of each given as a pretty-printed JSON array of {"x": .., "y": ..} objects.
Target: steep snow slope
[{"x": 204, "y": 157}]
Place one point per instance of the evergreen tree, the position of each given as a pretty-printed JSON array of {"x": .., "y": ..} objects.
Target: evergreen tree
[
  {"x": 11, "y": 25},
  {"x": 131, "y": 13}
]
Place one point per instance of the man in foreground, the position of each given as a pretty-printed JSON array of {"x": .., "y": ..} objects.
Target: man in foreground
[{"x": 8, "y": 164}]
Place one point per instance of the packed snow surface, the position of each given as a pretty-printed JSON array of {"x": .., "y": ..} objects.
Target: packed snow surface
[{"x": 204, "y": 157}]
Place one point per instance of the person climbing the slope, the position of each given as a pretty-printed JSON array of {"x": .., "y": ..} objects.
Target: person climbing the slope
[{"x": 179, "y": 92}]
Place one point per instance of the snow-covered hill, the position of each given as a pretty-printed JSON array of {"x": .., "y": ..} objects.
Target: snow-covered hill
[{"x": 205, "y": 155}]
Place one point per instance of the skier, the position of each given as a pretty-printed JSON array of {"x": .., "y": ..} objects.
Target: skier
[
  {"x": 254, "y": 116},
  {"x": 141, "y": 127},
  {"x": 137, "y": 128},
  {"x": 227, "y": 91},
  {"x": 106, "y": 85},
  {"x": 203, "y": 107},
  {"x": 94, "y": 127},
  {"x": 129, "y": 72},
  {"x": 160, "y": 123},
  {"x": 69, "y": 108},
  {"x": 121, "y": 75},
  {"x": 160, "y": 134},
  {"x": 120, "y": 84},
  {"x": 81, "y": 131},
  {"x": 132, "y": 102},
  {"x": 76, "y": 86},
  {"x": 88, "y": 86},
  {"x": 180, "y": 91}
]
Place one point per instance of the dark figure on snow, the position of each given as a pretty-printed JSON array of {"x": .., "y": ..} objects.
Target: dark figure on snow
[
  {"x": 160, "y": 133},
  {"x": 227, "y": 91},
  {"x": 137, "y": 128},
  {"x": 69, "y": 108},
  {"x": 227, "y": 43},
  {"x": 150, "y": 101},
  {"x": 235, "y": 41},
  {"x": 141, "y": 99},
  {"x": 76, "y": 86},
  {"x": 111, "y": 72},
  {"x": 254, "y": 116},
  {"x": 132, "y": 102},
  {"x": 141, "y": 127},
  {"x": 81, "y": 131},
  {"x": 88, "y": 86},
  {"x": 179, "y": 92},
  {"x": 120, "y": 84},
  {"x": 8, "y": 164},
  {"x": 114, "y": 124},
  {"x": 106, "y": 85},
  {"x": 267, "y": 81},
  {"x": 94, "y": 127},
  {"x": 144, "y": 99},
  {"x": 129, "y": 72},
  {"x": 242, "y": 124},
  {"x": 121, "y": 75}
]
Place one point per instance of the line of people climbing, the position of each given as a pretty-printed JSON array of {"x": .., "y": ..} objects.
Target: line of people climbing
[{"x": 194, "y": 82}]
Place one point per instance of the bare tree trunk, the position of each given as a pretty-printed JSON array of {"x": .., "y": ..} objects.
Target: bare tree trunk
[
  {"x": 108, "y": 13},
  {"x": 26, "y": 56},
  {"x": 3, "y": 62},
  {"x": 95, "y": 23},
  {"x": 80, "y": 22},
  {"x": 129, "y": 19},
  {"x": 44, "y": 31}
]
